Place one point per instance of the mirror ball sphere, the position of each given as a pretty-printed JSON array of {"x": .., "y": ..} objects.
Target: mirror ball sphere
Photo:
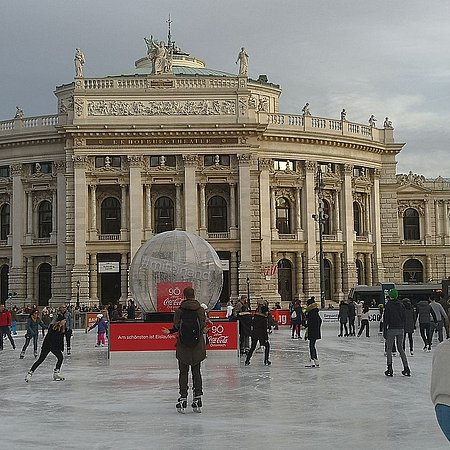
[{"x": 167, "y": 263}]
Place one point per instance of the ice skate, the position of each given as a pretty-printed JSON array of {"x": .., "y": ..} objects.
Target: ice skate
[
  {"x": 411, "y": 353},
  {"x": 389, "y": 372},
  {"x": 22, "y": 354},
  {"x": 35, "y": 354},
  {"x": 267, "y": 362},
  {"x": 181, "y": 405},
  {"x": 406, "y": 372},
  {"x": 57, "y": 376},
  {"x": 28, "y": 376},
  {"x": 68, "y": 352},
  {"x": 197, "y": 404},
  {"x": 311, "y": 364},
  {"x": 316, "y": 362}
]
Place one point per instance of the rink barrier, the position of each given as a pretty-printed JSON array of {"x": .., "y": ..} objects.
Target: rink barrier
[{"x": 148, "y": 338}]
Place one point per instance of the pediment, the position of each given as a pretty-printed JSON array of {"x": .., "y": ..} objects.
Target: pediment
[{"x": 412, "y": 189}]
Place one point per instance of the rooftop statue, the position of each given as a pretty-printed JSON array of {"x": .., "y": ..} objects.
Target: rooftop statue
[
  {"x": 305, "y": 110},
  {"x": 19, "y": 113},
  {"x": 79, "y": 61},
  {"x": 160, "y": 55},
  {"x": 387, "y": 123},
  {"x": 372, "y": 120},
  {"x": 242, "y": 59},
  {"x": 343, "y": 115}
]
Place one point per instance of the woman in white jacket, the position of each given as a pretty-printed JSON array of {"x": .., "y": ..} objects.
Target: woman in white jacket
[{"x": 440, "y": 386}]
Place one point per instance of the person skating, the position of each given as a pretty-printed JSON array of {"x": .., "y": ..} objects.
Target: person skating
[
  {"x": 343, "y": 318},
  {"x": 410, "y": 325},
  {"x": 189, "y": 322},
  {"x": 313, "y": 324},
  {"x": 260, "y": 334},
  {"x": 297, "y": 320},
  {"x": 33, "y": 324},
  {"x": 351, "y": 318},
  {"x": 425, "y": 313},
  {"x": 394, "y": 325},
  {"x": 53, "y": 343},
  {"x": 364, "y": 321},
  {"x": 66, "y": 311},
  {"x": 102, "y": 330},
  {"x": 5, "y": 326}
]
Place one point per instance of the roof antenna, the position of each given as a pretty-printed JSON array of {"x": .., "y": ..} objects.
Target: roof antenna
[{"x": 169, "y": 36}]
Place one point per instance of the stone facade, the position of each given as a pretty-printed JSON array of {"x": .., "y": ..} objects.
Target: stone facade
[{"x": 130, "y": 156}]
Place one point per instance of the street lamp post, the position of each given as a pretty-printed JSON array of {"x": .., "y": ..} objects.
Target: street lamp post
[
  {"x": 248, "y": 292},
  {"x": 320, "y": 219},
  {"x": 78, "y": 294}
]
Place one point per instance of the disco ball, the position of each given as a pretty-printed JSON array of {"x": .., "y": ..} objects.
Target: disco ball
[{"x": 168, "y": 263}]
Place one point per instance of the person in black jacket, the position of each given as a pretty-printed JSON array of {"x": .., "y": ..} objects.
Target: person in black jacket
[
  {"x": 313, "y": 324},
  {"x": 410, "y": 324},
  {"x": 260, "y": 333},
  {"x": 53, "y": 343},
  {"x": 394, "y": 326}
]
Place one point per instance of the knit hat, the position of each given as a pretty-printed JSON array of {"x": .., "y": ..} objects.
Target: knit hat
[{"x": 393, "y": 294}]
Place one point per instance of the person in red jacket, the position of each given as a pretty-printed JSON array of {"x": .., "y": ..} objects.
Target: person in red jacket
[{"x": 5, "y": 326}]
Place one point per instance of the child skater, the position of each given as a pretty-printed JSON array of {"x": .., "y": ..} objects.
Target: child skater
[
  {"x": 33, "y": 324},
  {"x": 102, "y": 330},
  {"x": 260, "y": 333},
  {"x": 53, "y": 343}
]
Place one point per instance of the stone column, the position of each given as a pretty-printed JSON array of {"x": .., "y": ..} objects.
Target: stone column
[
  {"x": 273, "y": 206},
  {"x": 246, "y": 267},
  {"x": 190, "y": 193},
  {"x": 93, "y": 207},
  {"x": 299, "y": 278},
  {"x": 148, "y": 207},
  {"x": 378, "y": 269},
  {"x": 178, "y": 212},
  {"x": 312, "y": 269},
  {"x": 124, "y": 215},
  {"x": 233, "y": 276},
  {"x": 264, "y": 211},
  {"x": 298, "y": 212},
  {"x": 368, "y": 268},
  {"x": 427, "y": 230},
  {"x": 233, "y": 227},
  {"x": 428, "y": 268},
  {"x": 29, "y": 295},
  {"x": 446, "y": 222},
  {"x": 203, "y": 229},
  {"x": 80, "y": 210},
  {"x": 338, "y": 275},
  {"x": 349, "y": 269},
  {"x": 438, "y": 234},
  {"x": 93, "y": 286},
  {"x": 29, "y": 218},
  {"x": 366, "y": 215},
  {"x": 338, "y": 215},
  {"x": 54, "y": 217},
  {"x": 136, "y": 204}
]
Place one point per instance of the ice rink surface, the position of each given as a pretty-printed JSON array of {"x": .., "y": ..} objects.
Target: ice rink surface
[{"x": 129, "y": 403}]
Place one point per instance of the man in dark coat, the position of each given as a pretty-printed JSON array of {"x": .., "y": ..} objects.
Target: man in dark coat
[
  {"x": 313, "y": 324},
  {"x": 189, "y": 356}
]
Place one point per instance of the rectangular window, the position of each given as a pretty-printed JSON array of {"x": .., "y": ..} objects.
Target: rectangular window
[
  {"x": 162, "y": 160},
  {"x": 216, "y": 160},
  {"x": 4, "y": 172},
  {"x": 280, "y": 164},
  {"x": 108, "y": 161},
  {"x": 42, "y": 167}
]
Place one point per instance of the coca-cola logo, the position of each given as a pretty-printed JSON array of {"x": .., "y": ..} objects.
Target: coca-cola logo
[
  {"x": 218, "y": 340},
  {"x": 172, "y": 302}
]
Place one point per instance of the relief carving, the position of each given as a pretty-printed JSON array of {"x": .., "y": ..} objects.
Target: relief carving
[{"x": 415, "y": 204}]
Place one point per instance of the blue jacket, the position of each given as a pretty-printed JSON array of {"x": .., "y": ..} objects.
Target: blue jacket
[
  {"x": 33, "y": 326},
  {"x": 101, "y": 324}
]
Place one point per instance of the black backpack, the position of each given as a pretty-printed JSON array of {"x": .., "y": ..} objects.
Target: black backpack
[{"x": 189, "y": 331}]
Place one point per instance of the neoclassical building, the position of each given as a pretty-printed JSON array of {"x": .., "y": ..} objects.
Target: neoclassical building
[{"x": 176, "y": 145}]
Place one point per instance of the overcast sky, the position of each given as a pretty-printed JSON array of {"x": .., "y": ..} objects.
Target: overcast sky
[{"x": 387, "y": 58}]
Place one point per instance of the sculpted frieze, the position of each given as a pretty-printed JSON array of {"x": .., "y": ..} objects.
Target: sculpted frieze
[
  {"x": 415, "y": 204},
  {"x": 161, "y": 108}
]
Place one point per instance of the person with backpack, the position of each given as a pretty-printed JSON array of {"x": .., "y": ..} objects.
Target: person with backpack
[{"x": 189, "y": 322}]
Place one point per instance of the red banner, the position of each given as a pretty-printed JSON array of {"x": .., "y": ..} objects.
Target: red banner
[
  {"x": 284, "y": 316},
  {"x": 216, "y": 314},
  {"x": 170, "y": 295},
  {"x": 135, "y": 337}
]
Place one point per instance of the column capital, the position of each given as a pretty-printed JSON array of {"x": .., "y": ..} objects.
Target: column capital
[
  {"x": 16, "y": 170},
  {"x": 190, "y": 160},
  {"x": 244, "y": 159},
  {"x": 79, "y": 161},
  {"x": 310, "y": 166},
  {"x": 135, "y": 160}
]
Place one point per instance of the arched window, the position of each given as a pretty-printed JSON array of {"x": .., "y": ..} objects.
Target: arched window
[
  {"x": 45, "y": 219},
  {"x": 5, "y": 222},
  {"x": 164, "y": 215},
  {"x": 411, "y": 229},
  {"x": 45, "y": 284},
  {"x": 110, "y": 210},
  {"x": 328, "y": 279},
  {"x": 360, "y": 272},
  {"x": 283, "y": 216},
  {"x": 217, "y": 215},
  {"x": 413, "y": 271},
  {"x": 357, "y": 222},
  {"x": 326, "y": 217}
]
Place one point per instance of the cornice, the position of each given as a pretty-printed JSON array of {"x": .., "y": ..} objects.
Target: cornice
[
  {"x": 332, "y": 143},
  {"x": 30, "y": 142}
]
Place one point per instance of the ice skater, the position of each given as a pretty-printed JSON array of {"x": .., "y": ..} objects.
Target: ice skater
[
  {"x": 394, "y": 325},
  {"x": 260, "y": 334},
  {"x": 189, "y": 323},
  {"x": 5, "y": 326},
  {"x": 364, "y": 321},
  {"x": 410, "y": 324},
  {"x": 53, "y": 343},
  {"x": 33, "y": 324},
  {"x": 313, "y": 324},
  {"x": 102, "y": 330}
]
